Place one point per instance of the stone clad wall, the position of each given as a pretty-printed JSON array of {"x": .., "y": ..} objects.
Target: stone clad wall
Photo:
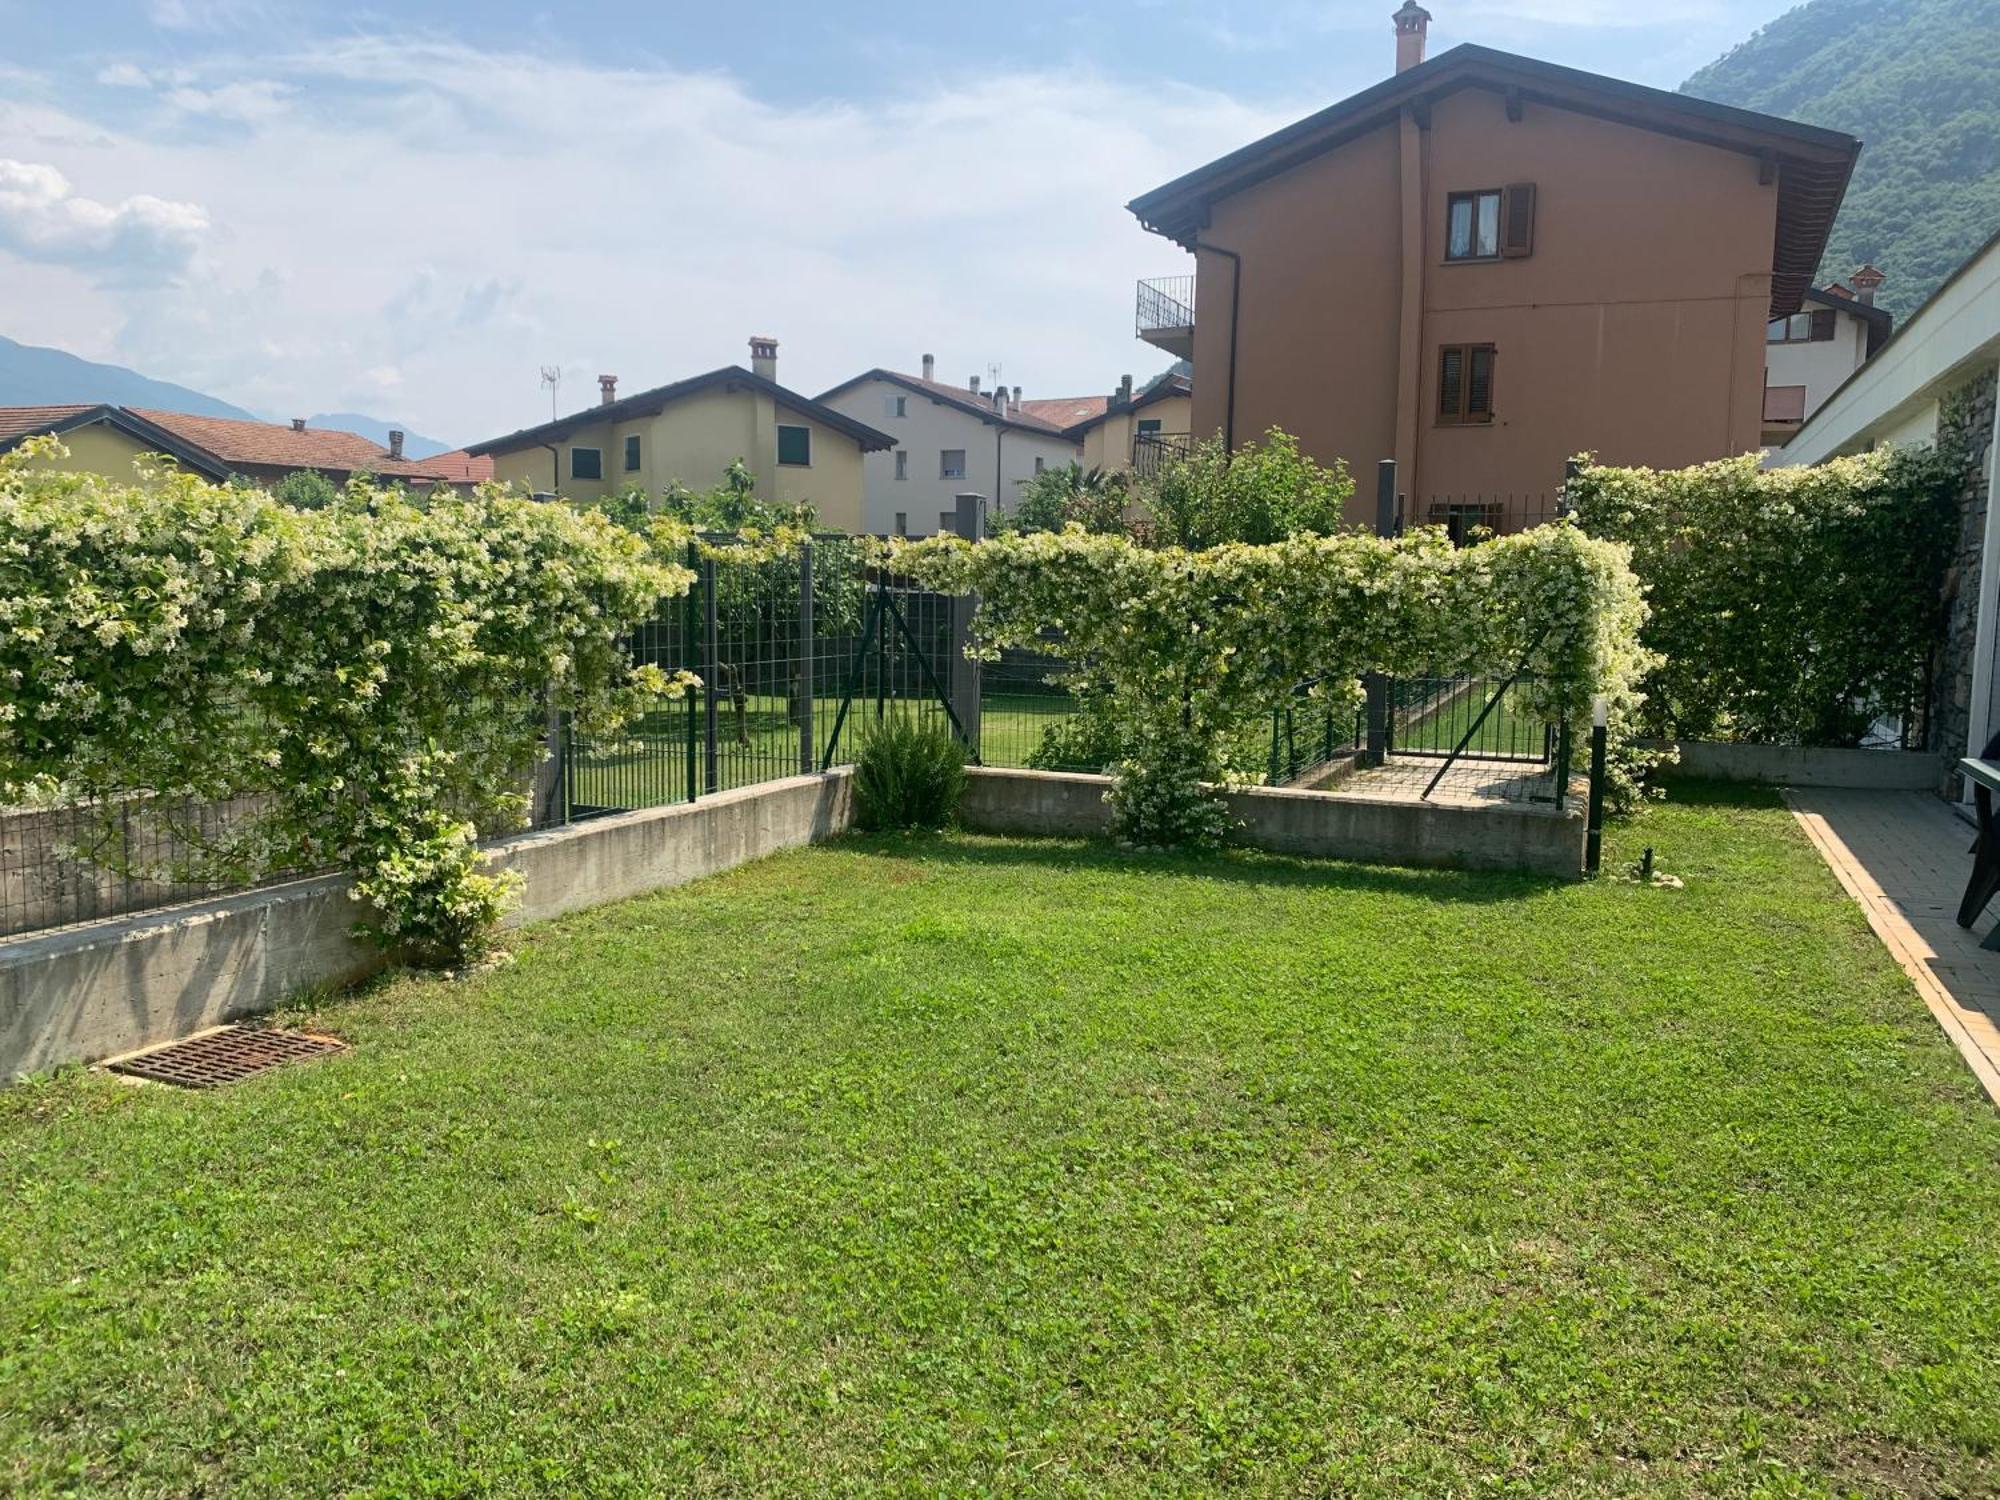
[{"x": 1965, "y": 418}]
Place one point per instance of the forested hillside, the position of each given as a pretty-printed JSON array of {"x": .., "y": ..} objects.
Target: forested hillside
[{"x": 1919, "y": 82}]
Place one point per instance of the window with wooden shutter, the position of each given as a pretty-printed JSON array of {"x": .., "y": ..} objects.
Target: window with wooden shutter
[
  {"x": 1465, "y": 384},
  {"x": 1517, "y": 220}
]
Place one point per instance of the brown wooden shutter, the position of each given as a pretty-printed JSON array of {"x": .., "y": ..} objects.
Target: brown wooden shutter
[
  {"x": 1517, "y": 220},
  {"x": 1479, "y": 383},
  {"x": 1822, "y": 324},
  {"x": 1451, "y": 382}
]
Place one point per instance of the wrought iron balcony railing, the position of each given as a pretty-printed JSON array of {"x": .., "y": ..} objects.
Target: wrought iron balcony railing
[
  {"x": 1166, "y": 314},
  {"x": 1153, "y": 451}
]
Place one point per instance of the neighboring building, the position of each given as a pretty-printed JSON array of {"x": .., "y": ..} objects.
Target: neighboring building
[
  {"x": 949, "y": 440},
  {"x": 105, "y": 439},
  {"x": 1935, "y": 379},
  {"x": 1485, "y": 264},
  {"x": 801, "y": 451},
  {"x": 1138, "y": 433},
  {"x": 1809, "y": 354}
]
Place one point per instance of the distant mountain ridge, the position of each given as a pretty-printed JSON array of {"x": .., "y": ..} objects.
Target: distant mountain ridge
[
  {"x": 31, "y": 375},
  {"x": 34, "y": 375},
  {"x": 1919, "y": 82}
]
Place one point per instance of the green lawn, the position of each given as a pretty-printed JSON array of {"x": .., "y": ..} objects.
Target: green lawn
[{"x": 952, "y": 1165}]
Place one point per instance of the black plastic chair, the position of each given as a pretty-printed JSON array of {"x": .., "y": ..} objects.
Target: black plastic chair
[{"x": 1985, "y": 881}]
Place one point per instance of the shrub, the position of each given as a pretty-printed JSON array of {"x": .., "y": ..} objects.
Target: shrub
[
  {"x": 1794, "y": 605},
  {"x": 1260, "y": 493},
  {"x": 909, "y": 773},
  {"x": 373, "y": 677},
  {"x": 1184, "y": 649},
  {"x": 1094, "y": 499}
]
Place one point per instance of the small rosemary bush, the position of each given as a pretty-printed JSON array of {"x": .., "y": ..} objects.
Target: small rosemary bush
[{"x": 909, "y": 774}]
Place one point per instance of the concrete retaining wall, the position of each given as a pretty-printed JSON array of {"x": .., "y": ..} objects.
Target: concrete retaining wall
[
  {"x": 1288, "y": 820},
  {"x": 97, "y": 991},
  {"x": 1803, "y": 765}
]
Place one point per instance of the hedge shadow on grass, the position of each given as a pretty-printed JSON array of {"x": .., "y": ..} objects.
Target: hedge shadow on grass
[{"x": 1242, "y": 866}]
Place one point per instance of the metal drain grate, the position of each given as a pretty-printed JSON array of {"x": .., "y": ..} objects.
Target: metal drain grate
[{"x": 224, "y": 1056}]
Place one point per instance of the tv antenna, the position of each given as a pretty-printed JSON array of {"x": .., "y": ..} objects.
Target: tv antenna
[{"x": 552, "y": 378}]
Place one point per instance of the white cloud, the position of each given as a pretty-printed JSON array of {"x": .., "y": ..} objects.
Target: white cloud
[
  {"x": 461, "y": 217},
  {"x": 124, "y": 75},
  {"x": 1595, "y": 13},
  {"x": 248, "y": 101},
  {"x": 140, "y": 239}
]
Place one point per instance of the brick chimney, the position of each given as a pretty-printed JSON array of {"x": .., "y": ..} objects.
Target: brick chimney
[
  {"x": 298, "y": 424},
  {"x": 930, "y": 367},
  {"x": 1412, "y": 21},
  {"x": 764, "y": 356},
  {"x": 1866, "y": 283},
  {"x": 607, "y": 389},
  {"x": 395, "y": 442}
]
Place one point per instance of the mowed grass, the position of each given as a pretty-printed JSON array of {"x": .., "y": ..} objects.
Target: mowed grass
[{"x": 952, "y": 1165}]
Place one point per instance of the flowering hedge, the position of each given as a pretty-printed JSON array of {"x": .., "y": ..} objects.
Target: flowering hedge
[
  {"x": 1793, "y": 604},
  {"x": 1186, "y": 645},
  {"x": 374, "y": 677}
]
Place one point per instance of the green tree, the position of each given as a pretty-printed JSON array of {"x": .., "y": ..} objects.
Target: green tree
[
  {"x": 1094, "y": 499},
  {"x": 1263, "y": 492}
]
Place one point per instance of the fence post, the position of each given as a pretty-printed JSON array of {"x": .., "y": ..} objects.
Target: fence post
[
  {"x": 711, "y": 671},
  {"x": 968, "y": 521},
  {"x": 1571, "y": 468},
  {"x": 552, "y": 775},
  {"x": 808, "y": 755},
  {"x": 1375, "y": 684},
  {"x": 689, "y": 617},
  {"x": 1593, "y": 832}
]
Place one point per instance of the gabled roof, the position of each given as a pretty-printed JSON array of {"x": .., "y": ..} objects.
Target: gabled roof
[
  {"x": 276, "y": 445},
  {"x": 18, "y": 423},
  {"x": 220, "y": 446},
  {"x": 1877, "y": 319},
  {"x": 650, "y": 403},
  {"x": 972, "y": 403},
  {"x": 1812, "y": 164},
  {"x": 1066, "y": 411},
  {"x": 1164, "y": 389}
]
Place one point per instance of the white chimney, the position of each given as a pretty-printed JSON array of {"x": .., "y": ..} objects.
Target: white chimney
[
  {"x": 764, "y": 357},
  {"x": 395, "y": 442},
  {"x": 930, "y": 367},
  {"x": 972, "y": 384},
  {"x": 1017, "y": 400},
  {"x": 607, "y": 389}
]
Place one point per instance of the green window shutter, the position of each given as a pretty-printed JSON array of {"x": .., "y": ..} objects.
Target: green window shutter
[
  {"x": 586, "y": 463},
  {"x": 632, "y": 454},
  {"x": 795, "y": 445}
]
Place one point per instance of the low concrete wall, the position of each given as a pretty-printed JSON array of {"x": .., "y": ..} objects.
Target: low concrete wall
[
  {"x": 1804, "y": 765},
  {"x": 97, "y": 991},
  {"x": 1290, "y": 820}
]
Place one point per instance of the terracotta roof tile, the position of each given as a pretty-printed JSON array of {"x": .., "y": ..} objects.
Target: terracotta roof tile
[
  {"x": 1066, "y": 411},
  {"x": 328, "y": 449},
  {"x": 15, "y": 420}
]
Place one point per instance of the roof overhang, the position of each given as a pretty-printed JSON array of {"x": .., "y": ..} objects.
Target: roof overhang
[
  {"x": 652, "y": 402},
  {"x": 153, "y": 437},
  {"x": 1810, "y": 165}
]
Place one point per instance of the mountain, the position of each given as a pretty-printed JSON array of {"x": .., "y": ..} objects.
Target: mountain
[
  {"x": 415, "y": 444},
  {"x": 33, "y": 376},
  {"x": 1919, "y": 82}
]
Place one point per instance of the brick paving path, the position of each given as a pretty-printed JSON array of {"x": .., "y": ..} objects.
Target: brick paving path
[{"x": 1905, "y": 856}]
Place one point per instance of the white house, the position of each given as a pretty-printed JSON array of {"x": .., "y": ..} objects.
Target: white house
[
  {"x": 1934, "y": 378},
  {"x": 1808, "y": 355},
  {"x": 948, "y": 440}
]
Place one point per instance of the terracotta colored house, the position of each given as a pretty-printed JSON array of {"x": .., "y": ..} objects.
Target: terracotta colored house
[
  {"x": 1487, "y": 263},
  {"x": 106, "y": 439}
]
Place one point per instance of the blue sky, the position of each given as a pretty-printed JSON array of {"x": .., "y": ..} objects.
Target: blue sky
[{"x": 410, "y": 210}]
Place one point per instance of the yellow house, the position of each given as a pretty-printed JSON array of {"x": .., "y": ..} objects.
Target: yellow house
[
  {"x": 801, "y": 452},
  {"x": 1137, "y": 432},
  {"x": 100, "y": 439}
]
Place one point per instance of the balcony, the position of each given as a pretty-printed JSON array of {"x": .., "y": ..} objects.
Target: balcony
[
  {"x": 1153, "y": 451},
  {"x": 1166, "y": 314}
]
